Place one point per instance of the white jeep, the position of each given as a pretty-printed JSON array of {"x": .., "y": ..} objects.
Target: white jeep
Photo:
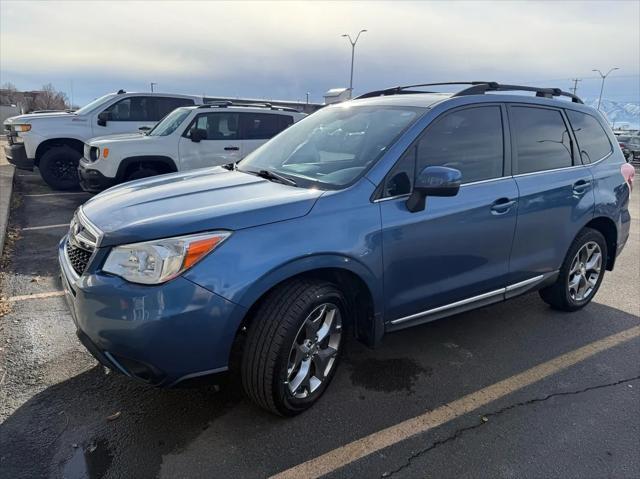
[
  {"x": 189, "y": 137},
  {"x": 54, "y": 142}
]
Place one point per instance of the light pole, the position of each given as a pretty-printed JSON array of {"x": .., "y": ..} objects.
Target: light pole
[
  {"x": 353, "y": 52},
  {"x": 602, "y": 86},
  {"x": 152, "y": 85}
]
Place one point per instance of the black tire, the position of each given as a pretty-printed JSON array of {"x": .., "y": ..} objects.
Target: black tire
[
  {"x": 141, "y": 173},
  {"x": 273, "y": 331},
  {"x": 557, "y": 295},
  {"x": 59, "y": 168}
]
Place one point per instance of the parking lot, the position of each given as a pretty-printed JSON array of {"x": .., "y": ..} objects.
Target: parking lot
[{"x": 511, "y": 390}]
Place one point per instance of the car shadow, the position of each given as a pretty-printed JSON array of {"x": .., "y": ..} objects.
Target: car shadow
[{"x": 106, "y": 425}]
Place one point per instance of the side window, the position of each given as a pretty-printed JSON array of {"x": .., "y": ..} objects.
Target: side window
[
  {"x": 262, "y": 126},
  {"x": 592, "y": 139},
  {"x": 219, "y": 126},
  {"x": 165, "y": 105},
  {"x": 133, "y": 108},
  {"x": 542, "y": 139},
  {"x": 399, "y": 180},
  {"x": 470, "y": 140}
]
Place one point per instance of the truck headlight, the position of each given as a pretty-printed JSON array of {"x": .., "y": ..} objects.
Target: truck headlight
[
  {"x": 158, "y": 261},
  {"x": 22, "y": 128}
]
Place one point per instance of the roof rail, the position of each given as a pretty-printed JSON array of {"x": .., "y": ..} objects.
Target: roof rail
[
  {"x": 474, "y": 88},
  {"x": 224, "y": 104}
]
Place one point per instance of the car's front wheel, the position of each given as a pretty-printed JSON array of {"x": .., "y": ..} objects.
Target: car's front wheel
[
  {"x": 293, "y": 345},
  {"x": 59, "y": 168},
  {"x": 581, "y": 273}
]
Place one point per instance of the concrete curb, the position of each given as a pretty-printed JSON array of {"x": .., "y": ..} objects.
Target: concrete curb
[{"x": 6, "y": 188}]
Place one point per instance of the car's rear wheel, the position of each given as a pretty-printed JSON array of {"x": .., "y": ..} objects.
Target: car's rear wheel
[
  {"x": 581, "y": 273},
  {"x": 293, "y": 346},
  {"x": 59, "y": 168}
]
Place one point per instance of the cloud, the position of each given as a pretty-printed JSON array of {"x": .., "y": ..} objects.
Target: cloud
[{"x": 287, "y": 47}]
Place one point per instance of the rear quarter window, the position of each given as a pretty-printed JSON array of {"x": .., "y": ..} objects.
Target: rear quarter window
[{"x": 591, "y": 137}]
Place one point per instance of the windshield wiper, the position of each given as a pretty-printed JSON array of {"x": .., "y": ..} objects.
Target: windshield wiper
[{"x": 272, "y": 176}]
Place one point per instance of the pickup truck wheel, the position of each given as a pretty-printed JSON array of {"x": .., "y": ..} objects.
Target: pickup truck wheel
[
  {"x": 293, "y": 346},
  {"x": 581, "y": 273},
  {"x": 141, "y": 173},
  {"x": 59, "y": 168}
]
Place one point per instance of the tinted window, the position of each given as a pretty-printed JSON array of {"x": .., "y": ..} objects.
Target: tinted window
[
  {"x": 262, "y": 126},
  {"x": 219, "y": 126},
  {"x": 133, "y": 108},
  {"x": 469, "y": 140},
  {"x": 591, "y": 137},
  {"x": 164, "y": 106},
  {"x": 542, "y": 139}
]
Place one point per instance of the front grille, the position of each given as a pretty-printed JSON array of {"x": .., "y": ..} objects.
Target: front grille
[{"x": 78, "y": 257}]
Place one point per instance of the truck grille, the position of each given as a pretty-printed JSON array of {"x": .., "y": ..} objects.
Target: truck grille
[{"x": 78, "y": 258}]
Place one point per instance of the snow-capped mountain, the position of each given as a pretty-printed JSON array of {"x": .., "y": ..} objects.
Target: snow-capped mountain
[{"x": 619, "y": 113}]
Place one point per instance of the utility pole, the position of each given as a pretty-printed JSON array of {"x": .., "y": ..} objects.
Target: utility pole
[
  {"x": 575, "y": 84},
  {"x": 307, "y": 98},
  {"x": 353, "y": 52},
  {"x": 152, "y": 85},
  {"x": 603, "y": 76}
]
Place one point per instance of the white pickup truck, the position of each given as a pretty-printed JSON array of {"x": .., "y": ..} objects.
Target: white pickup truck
[
  {"x": 54, "y": 142},
  {"x": 190, "y": 137}
]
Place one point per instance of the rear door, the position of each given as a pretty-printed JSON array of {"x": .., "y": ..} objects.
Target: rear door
[
  {"x": 556, "y": 190},
  {"x": 257, "y": 128},
  {"x": 222, "y": 145}
]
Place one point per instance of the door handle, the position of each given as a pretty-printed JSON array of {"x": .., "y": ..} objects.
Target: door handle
[
  {"x": 581, "y": 185},
  {"x": 231, "y": 148},
  {"x": 502, "y": 206}
]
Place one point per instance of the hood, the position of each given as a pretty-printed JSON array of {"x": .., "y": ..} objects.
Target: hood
[
  {"x": 192, "y": 202},
  {"x": 123, "y": 137},
  {"x": 36, "y": 116}
]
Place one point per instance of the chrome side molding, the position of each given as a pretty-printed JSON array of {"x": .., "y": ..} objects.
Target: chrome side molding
[{"x": 473, "y": 299}]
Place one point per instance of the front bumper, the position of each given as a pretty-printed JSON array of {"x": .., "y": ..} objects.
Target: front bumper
[
  {"x": 93, "y": 180},
  {"x": 16, "y": 154},
  {"x": 160, "y": 334}
]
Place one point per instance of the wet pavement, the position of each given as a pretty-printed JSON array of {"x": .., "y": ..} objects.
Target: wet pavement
[{"x": 63, "y": 416}]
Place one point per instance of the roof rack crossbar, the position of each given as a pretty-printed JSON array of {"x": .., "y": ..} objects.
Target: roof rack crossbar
[
  {"x": 473, "y": 88},
  {"x": 224, "y": 104}
]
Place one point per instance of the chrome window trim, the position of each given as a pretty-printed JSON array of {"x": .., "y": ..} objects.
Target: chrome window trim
[{"x": 472, "y": 299}]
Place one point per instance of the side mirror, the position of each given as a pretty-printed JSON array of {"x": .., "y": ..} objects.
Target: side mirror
[
  {"x": 198, "y": 134},
  {"x": 434, "y": 181},
  {"x": 103, "y": 118},
  {"x": 144, "y": 129}
]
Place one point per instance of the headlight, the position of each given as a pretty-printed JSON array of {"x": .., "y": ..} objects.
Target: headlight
[
  {"x": 22, "y": 128},
  {"x": 158, "y": 261}
]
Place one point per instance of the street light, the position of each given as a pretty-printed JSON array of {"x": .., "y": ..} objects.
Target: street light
[
  {"x": 602, "y": 86},
  {"x": 353, "y": 50},
  {"x": 152, "y": 85}
]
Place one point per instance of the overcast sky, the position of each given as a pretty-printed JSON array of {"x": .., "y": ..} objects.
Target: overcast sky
[{"x": 281, "y": 50}]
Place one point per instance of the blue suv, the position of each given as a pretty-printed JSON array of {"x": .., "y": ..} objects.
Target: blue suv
[{"x": 388, "y": 211}]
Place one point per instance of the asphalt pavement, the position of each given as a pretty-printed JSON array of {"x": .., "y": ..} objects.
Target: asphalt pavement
[{"x": 62, "y": 416}]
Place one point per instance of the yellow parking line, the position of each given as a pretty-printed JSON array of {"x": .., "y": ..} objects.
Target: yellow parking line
[
  {"x": 377, "y": 441},
  {"x": 51, "y": 294}
]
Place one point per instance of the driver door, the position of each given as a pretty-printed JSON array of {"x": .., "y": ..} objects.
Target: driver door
[
  {"x": 221, "y": 145},
  {"x": 457, "y": 248}
]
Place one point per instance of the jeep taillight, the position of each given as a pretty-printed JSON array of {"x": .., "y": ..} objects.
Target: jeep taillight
[{"x": 628, "y": 172}]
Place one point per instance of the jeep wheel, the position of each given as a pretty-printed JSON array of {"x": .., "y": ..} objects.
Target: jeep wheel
[
  {"x": 293, "y": 346},
  {"x": 581, "y": 273},
  {"x": 59, "y": 168},
  {"x": 141, "y": 173}
]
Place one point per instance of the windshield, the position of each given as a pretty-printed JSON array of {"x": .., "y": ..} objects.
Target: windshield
[
  {"x": 334, "y": 146},
  {"x": 169, "y": 123},
  {"x": 94, "y": 104}
]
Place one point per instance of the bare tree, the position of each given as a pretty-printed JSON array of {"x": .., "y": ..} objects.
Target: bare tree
[
  {"x": 8, "y": 94},
  {"x": 50, "y": 99}
]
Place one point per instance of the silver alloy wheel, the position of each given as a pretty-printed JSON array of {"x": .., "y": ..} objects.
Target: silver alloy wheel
[
  {"x": 584, "y": 271},
  {"x": 314, "y": 350}
]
